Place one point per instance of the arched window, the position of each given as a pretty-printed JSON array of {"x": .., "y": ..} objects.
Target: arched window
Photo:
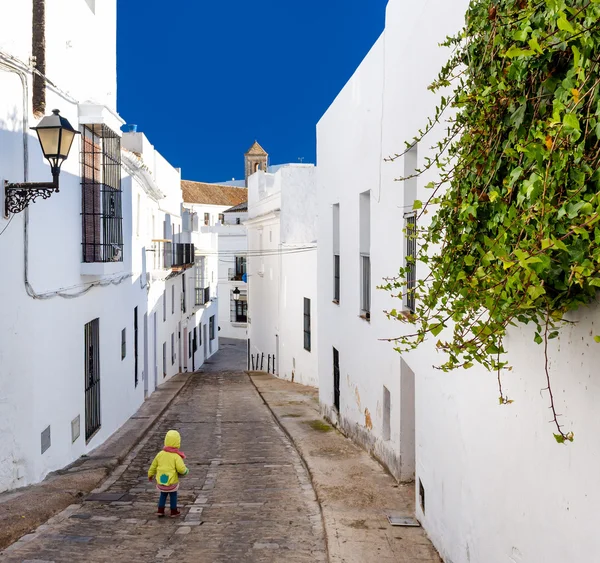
[{"x": 256, "y": 166}]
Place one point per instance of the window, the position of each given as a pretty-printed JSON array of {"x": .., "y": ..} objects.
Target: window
[
  {"x": 336, "y": 253},
  {"x": 411, "y": 256},
  {"x": 336, "y": 278},
  {"x": 365, "y": 286},
  {"x": 164, "y": 359},
  {"x": 207, "y": 219},
  {"x": 240, "y": 269},
  {"x": 211, "y": 328},
  {"x": 307, "y": 335},
  {"x": 164, "y": 305},
  {"x": 221, "y": 218},
  {"x": 101, "y": 212},
  {"x": 172, "y": 348},
  {"x": 365, "y": 254},
  {"x": 238, "y": 221},
  {"x": 239, "y": 308},
  {"x": 123, "y": 344},
  {"x": 256, "y": 166}
]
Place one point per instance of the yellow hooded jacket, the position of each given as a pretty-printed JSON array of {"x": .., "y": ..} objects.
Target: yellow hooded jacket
[{"x": 168, "y": 465}]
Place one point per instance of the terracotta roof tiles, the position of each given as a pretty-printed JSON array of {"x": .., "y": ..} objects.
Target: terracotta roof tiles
[{"x": 212, "y": 194}]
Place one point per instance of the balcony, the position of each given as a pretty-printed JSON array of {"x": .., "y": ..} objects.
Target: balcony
[
  {"x": 235, "y": 276},
  {"x": 163, "y": 254},
  {"x": 202, "y": 296},
  {"x": 183, "y": 255}
]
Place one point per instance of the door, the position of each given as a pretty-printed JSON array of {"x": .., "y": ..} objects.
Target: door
[
  {"x": 336, "y": 379},
  {"x": 145, "y": 372},
  {"x": 136, "y": 363},
  {"x": 92, "y": 379},
  {"x": 155, "y": 348},
  {"x": 185, "y": 349},
  {"x": 206, "y": 342}
]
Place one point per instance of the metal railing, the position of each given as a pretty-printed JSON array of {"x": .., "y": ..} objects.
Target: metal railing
[{"x": 202, "y": 296}]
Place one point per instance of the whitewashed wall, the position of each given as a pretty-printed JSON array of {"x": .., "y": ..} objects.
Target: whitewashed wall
[
  {"x": 282, "y": 233},
  {"x": 498, "y": 487},
  {"x": 42, "y": 362}
]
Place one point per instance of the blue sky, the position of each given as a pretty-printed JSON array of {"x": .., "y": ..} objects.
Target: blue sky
[{"x": 204, "y": 78}]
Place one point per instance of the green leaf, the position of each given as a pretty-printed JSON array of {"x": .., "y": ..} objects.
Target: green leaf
[
  {"x": 534, "y": 44},
  {"x": 535, "y": 291},
  {"x": 417, "y": 204},
  {"x": 515, "y": 51},
  {"x": 565, "y": 25},
  {"x": 436, "y": 329},
  {"x": 570, "y": 120},
  {"x": 469, "y": 260},
  {"x": 560, "y": 439},
  {"x": 597, "y": 339}
]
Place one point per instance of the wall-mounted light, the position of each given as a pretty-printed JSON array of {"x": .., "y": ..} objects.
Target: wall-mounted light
[
  {"x": 236, "y": 294},
  {"x": 56, "y": 138}
]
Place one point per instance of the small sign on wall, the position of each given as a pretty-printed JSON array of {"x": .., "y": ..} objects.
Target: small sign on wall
[
  {"x": 46, "y": 442},
  {"x": 75, "y": 428}
]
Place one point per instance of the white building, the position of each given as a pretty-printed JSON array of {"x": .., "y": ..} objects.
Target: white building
[
  {"x": 282, "y": 273},
  {"x": 492, "y": 485},
  {"x": 93, "y": 277},
  {"x": 223, "y": 248}
]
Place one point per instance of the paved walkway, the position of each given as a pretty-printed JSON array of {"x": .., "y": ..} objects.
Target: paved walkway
[
  {"x": 355, "y": 493},
  {"x": 248, "y": 497}
]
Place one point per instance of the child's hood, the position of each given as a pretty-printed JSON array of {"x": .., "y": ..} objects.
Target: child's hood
[{"x": 173, "y": 439}]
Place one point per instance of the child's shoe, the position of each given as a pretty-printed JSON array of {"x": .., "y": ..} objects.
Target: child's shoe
[
  {"x": 161, "y": 512},
  {"x": 175, "y": 513}
]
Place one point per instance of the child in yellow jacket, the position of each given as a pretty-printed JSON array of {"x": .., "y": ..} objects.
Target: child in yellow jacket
[{"x": 167, "y": 467}]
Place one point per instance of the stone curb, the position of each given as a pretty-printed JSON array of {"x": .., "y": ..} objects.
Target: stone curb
[
  {"x": 301, "y": 454},
  {"x": 23, "y": 510}
]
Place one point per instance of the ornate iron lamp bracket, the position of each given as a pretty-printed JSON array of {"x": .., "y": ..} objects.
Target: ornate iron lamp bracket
[{"x": 18, "y": 196}]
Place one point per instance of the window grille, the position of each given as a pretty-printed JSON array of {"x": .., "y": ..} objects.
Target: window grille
[
  {"x": 411, "y": 264},
  {"x": 102, "y": 216},
  {"x": 365, "y": 299},
  {"x": 307, "y": 331},
  {"x": 336, "y": 278}
]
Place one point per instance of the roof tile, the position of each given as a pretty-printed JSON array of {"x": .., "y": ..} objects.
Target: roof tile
[{"x": 212, "y": 194}]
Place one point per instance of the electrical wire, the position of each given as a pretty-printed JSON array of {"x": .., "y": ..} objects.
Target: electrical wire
[{"x": 7, "y": 224}]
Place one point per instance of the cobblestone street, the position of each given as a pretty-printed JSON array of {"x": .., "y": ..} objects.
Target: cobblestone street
[{"x": 248, "y": 497}]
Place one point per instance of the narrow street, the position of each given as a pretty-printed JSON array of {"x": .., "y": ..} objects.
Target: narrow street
[{"x": 247, "y": 498}]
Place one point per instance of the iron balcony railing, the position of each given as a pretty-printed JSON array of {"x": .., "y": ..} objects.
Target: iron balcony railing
[
  {"x": 168, "y": 255},
  {"x": 202, "y": 296}
]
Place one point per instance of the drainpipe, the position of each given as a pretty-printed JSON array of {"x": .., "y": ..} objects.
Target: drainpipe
[{"x": 38, "y": 52}]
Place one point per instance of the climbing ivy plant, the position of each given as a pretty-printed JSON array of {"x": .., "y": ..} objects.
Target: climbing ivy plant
[{"x": 514, "y": 235}]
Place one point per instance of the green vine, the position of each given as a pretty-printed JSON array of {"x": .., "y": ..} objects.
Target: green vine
[{"x": 514, "y": 235}]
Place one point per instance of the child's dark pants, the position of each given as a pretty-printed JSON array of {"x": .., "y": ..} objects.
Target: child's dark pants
[{"x": 162, "y": 501}]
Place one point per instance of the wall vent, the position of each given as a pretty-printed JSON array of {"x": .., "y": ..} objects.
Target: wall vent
[
  {"x": 46, "y": 442},
  {"x": 75, "y": 428}
]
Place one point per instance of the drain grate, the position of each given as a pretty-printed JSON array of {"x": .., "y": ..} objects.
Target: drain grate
[{"x": 403, "y": 521}]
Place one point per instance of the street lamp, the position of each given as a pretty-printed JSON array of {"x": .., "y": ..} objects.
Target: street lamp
[
  {"x": 236, "y": 294},
  {"x": 56, "y": 136}
]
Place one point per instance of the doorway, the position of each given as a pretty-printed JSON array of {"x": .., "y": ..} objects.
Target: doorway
[
  {"x": 155, "y": 348},
  {"x": 145, "y": 372},
  {"x": 407, "y": 423},
  {"x": 336, "y": 380},
  {"x": 92, "y": 379}
]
